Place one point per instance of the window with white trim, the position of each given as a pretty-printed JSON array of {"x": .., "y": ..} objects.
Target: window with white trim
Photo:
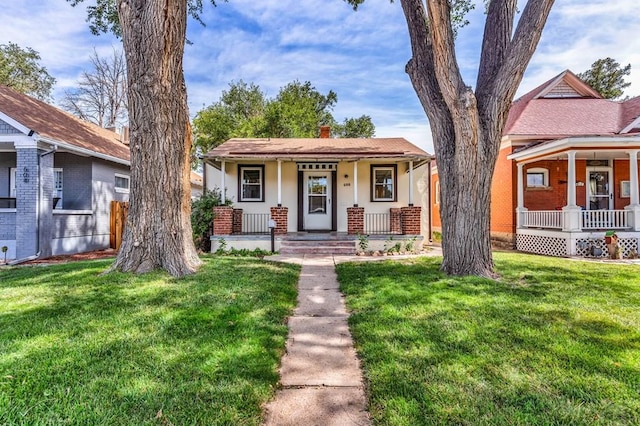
[
  {"x": 437, "y": 192},
  {"x": 57, "y": 188},
  {"x": 383, "y": 183},
  {"x": 537, "y": 177},
  {"x": 122, "y": 183},
  {"x": 13, "y": 173},
  {"x": 251, "y": 183}
]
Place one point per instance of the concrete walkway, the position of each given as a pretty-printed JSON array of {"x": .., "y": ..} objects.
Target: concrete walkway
[{"x": 320, "y": 373}]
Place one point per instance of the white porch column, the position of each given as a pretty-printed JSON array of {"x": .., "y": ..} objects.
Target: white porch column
[
  {"x": 634, "y": 206},
  {"x": 572, "y": 214},
  {"x": 355, "y": 183},
  {"x": 223, "y": 173},
  {"x": 410, "y": 183},
  {"x": 571, "y": 179},
  {"x": 279, "y": 183},
  {"x": 520, "y": 209}
]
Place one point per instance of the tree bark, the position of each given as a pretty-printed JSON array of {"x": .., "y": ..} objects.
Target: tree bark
[
  {"x": 466, "y": 125},
  {"x": 158, "y": 230}
]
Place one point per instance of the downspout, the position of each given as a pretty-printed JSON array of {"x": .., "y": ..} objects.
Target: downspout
[{"x": 40, "y": 195}]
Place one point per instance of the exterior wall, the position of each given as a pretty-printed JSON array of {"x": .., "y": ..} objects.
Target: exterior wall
[
  {"x": 503, "y": 198},
  {"x": 76, "y": 181},
  {"x": 344, "y": 190},
  {"x": 27, "y": 203},
  {"x": 620, "y": 173},
  {"x": 435, "y": 200},
  {"x": 76, "y": 230},
  {"x": 7, "y": 129}
]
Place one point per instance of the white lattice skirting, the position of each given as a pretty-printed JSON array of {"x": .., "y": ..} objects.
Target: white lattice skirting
[
  {"x": 566, "y": 244},
  {"x": 540, "y": 244}
]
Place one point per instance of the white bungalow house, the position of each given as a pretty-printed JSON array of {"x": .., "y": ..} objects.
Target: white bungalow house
[{"x": 319, "y": 189}]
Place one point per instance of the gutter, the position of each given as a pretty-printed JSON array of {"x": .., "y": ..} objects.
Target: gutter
[{"x": 85, "y": 151}]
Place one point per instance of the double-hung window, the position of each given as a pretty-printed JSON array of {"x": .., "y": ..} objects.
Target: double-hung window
[
  {"x": 57, "y": 188},
  {"x": 251, "y": 183},
  {"x": 383, "y": 183}
]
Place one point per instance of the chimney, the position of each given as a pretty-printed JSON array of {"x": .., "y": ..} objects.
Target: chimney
[
  {"x": 124, "y": 135},
  {"x": 325, "y": 132}
]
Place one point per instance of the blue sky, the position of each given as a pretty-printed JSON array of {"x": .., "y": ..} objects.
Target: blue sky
[{"x": 360, "y": 55}]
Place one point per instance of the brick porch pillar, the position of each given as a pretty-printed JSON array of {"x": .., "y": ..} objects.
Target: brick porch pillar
[
  {"x": 281, "y": 216},
  {"x": 222, "y": 220},
  {"x": 237, "y": 221},
  {"x": 411, "y": 220},
  {"x": 395, "y": 217},
  {"x": 355, "y": 220}
]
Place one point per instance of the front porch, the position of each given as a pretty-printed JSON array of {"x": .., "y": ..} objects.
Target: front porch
[{"x": 602, "y": 194}]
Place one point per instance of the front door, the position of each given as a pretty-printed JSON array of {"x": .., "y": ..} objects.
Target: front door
[
  {"x": 599, "y": 189},
  {"x": 317, "y": 201}
]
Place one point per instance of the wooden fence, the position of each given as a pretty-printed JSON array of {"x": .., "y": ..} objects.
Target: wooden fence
[{"x": 119, "y": 212}]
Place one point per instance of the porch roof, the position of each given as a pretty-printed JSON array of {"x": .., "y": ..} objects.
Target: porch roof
[
  {"x": 584, "y": 146},
  {"x": 297, "y": 149}
]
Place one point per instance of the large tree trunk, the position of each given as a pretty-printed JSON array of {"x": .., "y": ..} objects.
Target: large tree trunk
[
  {"x": 158, "y": 229},
  {"x": 467, "y": 126}
]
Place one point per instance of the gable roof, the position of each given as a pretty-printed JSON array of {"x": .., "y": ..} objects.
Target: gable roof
[
  {"x": 318, "y": 148},
  {"x": 58, "y": 126},
  {"x": 566, "y": 106}
]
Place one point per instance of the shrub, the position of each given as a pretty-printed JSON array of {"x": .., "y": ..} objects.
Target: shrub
[{"x": 202, "y": 217}]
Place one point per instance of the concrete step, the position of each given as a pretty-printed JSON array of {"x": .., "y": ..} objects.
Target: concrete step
[{"x": 317, "y": 247}]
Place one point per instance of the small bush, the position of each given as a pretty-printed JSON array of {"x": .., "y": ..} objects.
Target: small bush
[{"x": 202, "y": 217}]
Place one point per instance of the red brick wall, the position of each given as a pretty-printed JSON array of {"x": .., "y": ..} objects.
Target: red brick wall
[
  {"x": 503, "y": 195},
  {"x": 222, "y": 220},
  {"x": 620, "y": 172},
  {"x": 396, "y": 220},
  {"x": 237, "y": 221},
  {"x": 411, "y": 220},
  {"x": 281, "y": 216},
  {"x": 355, "y": 220}
]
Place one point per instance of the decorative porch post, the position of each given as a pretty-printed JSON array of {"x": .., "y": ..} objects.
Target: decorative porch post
[
  {"x": 571, "y": 212},
  {"x": 520, "y": 209},
  {"x": 279, "y": 183},
  {"x": 355, "y": 183},
  {"x": 410, "y": 183},
  {"x": 223, "y": 173},
  {"x": 634, "y": 206}
]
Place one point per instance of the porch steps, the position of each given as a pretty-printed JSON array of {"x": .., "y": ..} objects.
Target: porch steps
[{"x": 316, "y": 246}]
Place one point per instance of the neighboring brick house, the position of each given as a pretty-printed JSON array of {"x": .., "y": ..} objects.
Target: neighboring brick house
[
  {"x": 567, "y": 170},
  {"x": 58, "y": 175},
  {"x": 332, "y": 188}
]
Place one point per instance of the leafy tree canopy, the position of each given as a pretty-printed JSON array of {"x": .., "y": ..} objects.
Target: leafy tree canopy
[
  {"x": 298, "y": 110},
  {"x": 20, "y": 70},
  {"x": 607, "y": 77}
]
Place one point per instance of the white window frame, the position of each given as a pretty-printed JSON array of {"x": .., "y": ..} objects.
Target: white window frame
[
  {"x": 120, "y": 189},
  {"x": 437, "y": 192},
  {"x": 58, "y": 192},
  {"x": 394, "y": 178},
  {"x": 13, "y": 176},
  {"x": 625, "y": 189},
  {"x": 538, "y": 171},
  {"x": 241, "y": 170}
]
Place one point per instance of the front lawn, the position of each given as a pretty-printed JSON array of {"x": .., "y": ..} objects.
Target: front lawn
[
  {"x": 553, "y": 342},
  {"x": 81, "y": 348}
]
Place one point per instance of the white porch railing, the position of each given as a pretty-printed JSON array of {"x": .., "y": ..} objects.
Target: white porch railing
[
  {"x": 605, "y": 219},
  {"x": 551, "y": 219}
]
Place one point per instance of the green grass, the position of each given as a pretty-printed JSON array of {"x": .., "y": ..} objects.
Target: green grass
[
  {"x": 554, "y": 342},
  {"x": 81, "y": 348}
]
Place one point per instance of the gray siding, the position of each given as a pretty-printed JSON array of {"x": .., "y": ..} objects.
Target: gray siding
[
  {"x": 76, "y": 181},
  {"x": 7, "y": 129},
  {"x": 7, "y": 161},
  {"x": 104, "y": 189},
  {"x": 7, "y": 226}
]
